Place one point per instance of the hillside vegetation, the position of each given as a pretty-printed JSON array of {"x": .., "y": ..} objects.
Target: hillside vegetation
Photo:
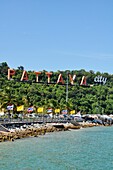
[{"x": 96, "y": 99}]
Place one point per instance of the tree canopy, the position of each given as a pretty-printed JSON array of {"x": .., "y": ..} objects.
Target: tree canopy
[{"x": 96, "y": 99}]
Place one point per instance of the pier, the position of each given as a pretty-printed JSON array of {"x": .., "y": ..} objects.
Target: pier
[{"x": 12, "y": 123}]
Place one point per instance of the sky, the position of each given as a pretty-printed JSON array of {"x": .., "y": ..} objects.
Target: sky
[{"x": 57, "y": 35}]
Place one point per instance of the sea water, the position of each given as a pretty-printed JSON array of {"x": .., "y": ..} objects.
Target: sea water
[{"x": 83, "y": 149}]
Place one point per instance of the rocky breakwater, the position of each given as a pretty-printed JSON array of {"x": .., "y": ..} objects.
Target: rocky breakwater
[
  {"x": 76, "y": 125},
  {"x": 29, "y": 132},
  {"x": 36, "y": 130}
]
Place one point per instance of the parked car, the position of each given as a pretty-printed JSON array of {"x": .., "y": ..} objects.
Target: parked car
[
  {"x": 1, "y": 119},
  {"x": 32, "y": 115}
]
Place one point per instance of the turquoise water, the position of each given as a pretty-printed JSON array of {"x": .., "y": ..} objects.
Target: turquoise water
[{"x": 84, "y": 149}]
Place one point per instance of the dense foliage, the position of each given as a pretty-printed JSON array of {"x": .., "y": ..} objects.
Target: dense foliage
[{"x": 97, "y": 99}]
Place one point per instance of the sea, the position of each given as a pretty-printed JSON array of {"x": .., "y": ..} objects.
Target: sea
[{"x": 82, "y": 149}]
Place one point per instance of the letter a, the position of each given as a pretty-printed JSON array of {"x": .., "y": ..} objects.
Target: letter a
[
  {"x": 60, "y": 79},
  {"x": 83, "y": 81},
  {"x": 24, "y": 76}
]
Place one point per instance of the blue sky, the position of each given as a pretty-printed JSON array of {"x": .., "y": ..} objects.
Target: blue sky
[{"x": 56, "y": 35}]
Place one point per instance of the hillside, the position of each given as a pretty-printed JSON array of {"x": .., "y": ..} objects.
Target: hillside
[{"x": 94, "y": 96}]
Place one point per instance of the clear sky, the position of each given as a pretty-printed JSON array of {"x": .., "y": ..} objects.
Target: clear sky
[{"x": 57, "y": 35}]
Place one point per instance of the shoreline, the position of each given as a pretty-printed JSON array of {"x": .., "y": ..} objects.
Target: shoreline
[{"x": 36, "y": 130}]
